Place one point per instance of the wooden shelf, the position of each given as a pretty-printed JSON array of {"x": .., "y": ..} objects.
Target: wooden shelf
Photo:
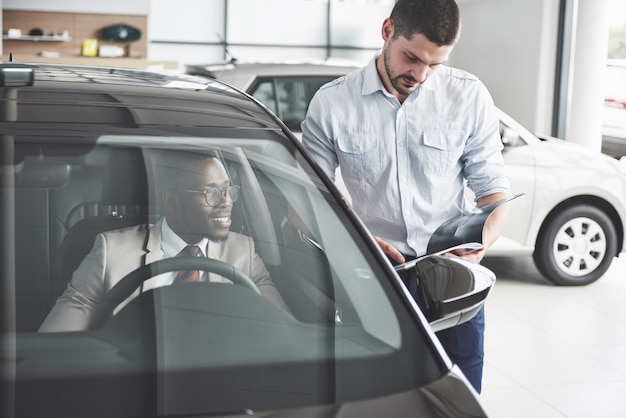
[
  {"x": 121, "y": 62},
  {"x": 44, "y": 38},
  {"x": 57, "y": 24}
]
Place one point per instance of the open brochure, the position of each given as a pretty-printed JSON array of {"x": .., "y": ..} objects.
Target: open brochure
[{"x": 462, "y": 232}]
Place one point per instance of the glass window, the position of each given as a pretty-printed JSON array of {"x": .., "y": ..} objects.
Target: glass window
[
  {"x": 266, "y": 94},
  {"x": 267, "y": 22},
  {"x": 289, "y": 97},
  {"x": 362, "y": 32},
  {"x": 343, "y": 334}
]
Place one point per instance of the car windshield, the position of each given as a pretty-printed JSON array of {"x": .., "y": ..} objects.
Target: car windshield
[{"x": 347, "y": 334}]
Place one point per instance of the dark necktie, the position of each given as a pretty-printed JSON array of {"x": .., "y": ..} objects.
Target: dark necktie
[{"x": 188, "y": 276}]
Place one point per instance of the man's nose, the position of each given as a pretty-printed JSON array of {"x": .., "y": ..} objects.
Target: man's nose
[
  {"x": 224, "y": 198},
  {"x": 420, "y": 72}
]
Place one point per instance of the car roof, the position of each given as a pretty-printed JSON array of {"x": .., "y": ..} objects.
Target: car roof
[
  {"x": 241, "y": 75},
  {"x": 144, "y": 95}
]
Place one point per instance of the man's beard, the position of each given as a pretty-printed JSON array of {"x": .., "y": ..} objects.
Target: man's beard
[
  {"x": 395, "y": 80},
  {"x": 217, "y": 239}
]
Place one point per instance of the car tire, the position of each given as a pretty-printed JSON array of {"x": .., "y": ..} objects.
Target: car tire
[{"x": 576, "y": 246}]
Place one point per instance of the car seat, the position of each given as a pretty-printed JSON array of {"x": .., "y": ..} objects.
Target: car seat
[
  {"x": 36, "y": 179},
  {"x": 125, "y": 197}
]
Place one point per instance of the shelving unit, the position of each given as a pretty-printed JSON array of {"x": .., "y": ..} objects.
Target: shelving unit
[
  {"x": 65, "y": 49},
  {"x": 140, "y": 63},
  {"x": 44, "y": 38}
]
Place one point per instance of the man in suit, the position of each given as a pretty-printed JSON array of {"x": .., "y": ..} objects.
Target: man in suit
[{"x": 197, "y": 199}]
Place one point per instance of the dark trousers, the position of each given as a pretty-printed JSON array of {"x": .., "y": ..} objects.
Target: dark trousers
[
  {"x": 463, "y": 343},
  {"x": 465, "y": 346}
]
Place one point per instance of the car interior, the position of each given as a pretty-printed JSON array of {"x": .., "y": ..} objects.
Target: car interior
[
  {"x": 66, "y": 193},
  {"x": 64, "y": 198}
]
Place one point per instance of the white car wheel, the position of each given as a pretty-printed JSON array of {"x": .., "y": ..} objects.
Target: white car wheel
[{"x": 576, "y": 246}]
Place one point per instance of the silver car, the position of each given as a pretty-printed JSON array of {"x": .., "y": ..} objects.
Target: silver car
[{"x": 572, "y": 216}]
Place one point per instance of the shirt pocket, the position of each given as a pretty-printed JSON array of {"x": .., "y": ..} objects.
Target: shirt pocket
[
  {"x": 359, "y": 155},
  {"x": 441, "y": 151}
]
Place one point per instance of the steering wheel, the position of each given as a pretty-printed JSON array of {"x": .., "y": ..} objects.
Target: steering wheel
[{"x": 125, "y": 287}]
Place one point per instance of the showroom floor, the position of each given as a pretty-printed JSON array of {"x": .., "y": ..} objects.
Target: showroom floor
[{"x": 553, "y": 352}]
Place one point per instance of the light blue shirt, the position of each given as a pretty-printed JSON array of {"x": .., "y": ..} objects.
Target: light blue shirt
[{"x": 406, "y": 165}]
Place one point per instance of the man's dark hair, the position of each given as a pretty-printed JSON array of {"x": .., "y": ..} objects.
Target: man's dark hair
[
  {"x": 438, "y": 20},
  {"x": 173, "y": 167}
]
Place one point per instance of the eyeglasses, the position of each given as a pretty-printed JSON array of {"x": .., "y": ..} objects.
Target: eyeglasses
[{"x": 213, "y": 195}]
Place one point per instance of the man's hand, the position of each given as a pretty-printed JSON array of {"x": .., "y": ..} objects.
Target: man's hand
[
  {"x": 390, "y": 250},
  {"x": 491, "y": 231},
  {"x": 475, "y": 256}
]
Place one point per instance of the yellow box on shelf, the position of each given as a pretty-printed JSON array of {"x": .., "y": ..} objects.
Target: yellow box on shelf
[{"x": 90, "y": 47}]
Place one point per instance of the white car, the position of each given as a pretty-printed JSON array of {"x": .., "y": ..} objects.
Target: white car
[
  {"x": 573, "y": 213},
  {"x": 572, "y": 216}
]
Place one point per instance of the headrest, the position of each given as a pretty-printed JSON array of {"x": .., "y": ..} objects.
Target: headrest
[{"x": 125, "y": 178}]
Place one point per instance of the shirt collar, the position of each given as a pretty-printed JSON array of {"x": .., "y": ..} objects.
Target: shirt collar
[
  {"x": 372, "y": 82},
  {"x": 172, "y": 244}
]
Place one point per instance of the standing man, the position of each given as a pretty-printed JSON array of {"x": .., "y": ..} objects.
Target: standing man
[{"x": 409, "y": 133}]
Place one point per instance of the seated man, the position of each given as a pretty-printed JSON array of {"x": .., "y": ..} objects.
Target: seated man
[{"x": 197, "y": 199}]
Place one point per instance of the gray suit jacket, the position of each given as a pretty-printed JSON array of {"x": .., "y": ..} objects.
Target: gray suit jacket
[{"x": 117, "y": 253}]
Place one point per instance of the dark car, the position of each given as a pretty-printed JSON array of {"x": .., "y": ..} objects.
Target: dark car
[{"x": 79, "y": 147}]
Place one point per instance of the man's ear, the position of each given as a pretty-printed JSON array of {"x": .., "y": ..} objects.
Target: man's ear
[
  {"x": 170, "y": 200},
  {"x": 387, "y": 29}
]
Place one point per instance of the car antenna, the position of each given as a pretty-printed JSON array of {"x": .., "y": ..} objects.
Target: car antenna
[
  {"x": 227, "y": 53},
  {"x": 10, "y": 56}
]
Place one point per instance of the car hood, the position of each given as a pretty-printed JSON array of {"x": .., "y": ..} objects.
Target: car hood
[
  {"x": 558, "y": 153},
  {"x": 432, "y": 400}
]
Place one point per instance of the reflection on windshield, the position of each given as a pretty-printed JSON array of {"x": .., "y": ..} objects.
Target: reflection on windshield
[{"x": 91, "y": 208}]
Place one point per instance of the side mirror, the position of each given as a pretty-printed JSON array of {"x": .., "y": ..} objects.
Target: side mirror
[
  {"x": 451, "y": 290},
  {"x": 510, "y": 137}
]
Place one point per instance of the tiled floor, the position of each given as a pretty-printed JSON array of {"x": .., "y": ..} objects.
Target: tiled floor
[{"x": 553, "y": 352}]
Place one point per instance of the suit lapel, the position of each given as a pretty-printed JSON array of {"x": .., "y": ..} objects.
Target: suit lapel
[{"x": 153, "y": 243}]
